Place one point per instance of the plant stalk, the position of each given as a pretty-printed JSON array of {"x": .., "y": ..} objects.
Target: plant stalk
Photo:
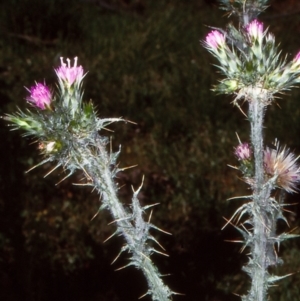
[
  {"x": 262, "y": 219},
  {"x": 130, "y": 223}
]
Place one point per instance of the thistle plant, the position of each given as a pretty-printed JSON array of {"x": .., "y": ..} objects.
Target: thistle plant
[
  {"x": 69, "y": 134},
  {"x": 255, "y": 72}
]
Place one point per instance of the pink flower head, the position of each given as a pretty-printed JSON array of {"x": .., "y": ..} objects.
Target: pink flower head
[
  {"x": 215, "y": 39},
  {"x": 69, "y": 74},
  {"x": 281, "y": 162},
  {"x": 243, "y": 151},
  {"x": 40, "y": 95},
  {"x": 255, "y": 29}
]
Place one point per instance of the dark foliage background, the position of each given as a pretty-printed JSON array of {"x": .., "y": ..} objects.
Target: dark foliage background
[{"x": 145, "y": 64}]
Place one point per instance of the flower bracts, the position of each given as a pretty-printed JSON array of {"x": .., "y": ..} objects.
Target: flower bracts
[{"x": 251, "y": 59}]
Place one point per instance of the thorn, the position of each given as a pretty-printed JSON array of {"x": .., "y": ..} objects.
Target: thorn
[
  {"x": 291, "y": 204},
  {"x": 233, "y": 216},
  {"x": 95, "y": 216},
  {"x": 122, "y": 250},
  {"x": 292, "y": 230},
  {"x": 234, "y": 167},
  {"x": 86, "y": 174},
  {"x": 128, "y": 167},
  {"x": 234, "y": 241},
  {"x": 119, "y": 220},
  {"x": 238, "y": 138},
  {"x": 110, "y": 144},
  {"x": 150, "y": 215},
  {"x": 246, "y": 230},
  {"x": 147, "y": 293},
  {"x": 289, "y": 211},
  {"x": 236, "y": 227},
  {"x": 240, "y": 197},
  {"x": 161, "y": 230},
  {"x": 35, "y": 141},
  {"x": 121, "y": 186},
  {"x": 52, "y": 170},
  {"x": 111, "y": 236},
  {"x": 236, "y": 104},
  {"x": 64, "y": 178},
  {"x": 138, "y": 190},
  {"x": 104, "y": 128},
  {"x": 67, "y": 162},
  {"x": 41, "y": 163},
  {"x": 228, "y": 222},
  {"x": 166, "y": 275},
  {"x": 243, "y": 248},
  {"x": 81, "y": 179},
  {"x": 129, "y": 121},
  {"x": 164, "y": 254},
  {"x": 152, "y": 238},
  {"x": 86, "y": 184},
  {"x": 176, "y": 293},
  {"x": 123, "y": 267},
  {"x": 149, "y": 206}
]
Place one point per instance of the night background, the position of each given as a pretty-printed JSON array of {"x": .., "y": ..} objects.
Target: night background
[{"x": 145, "y": 63}]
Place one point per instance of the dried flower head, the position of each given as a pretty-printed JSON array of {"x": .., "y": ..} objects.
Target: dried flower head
[
  {"x": 40, "y": 96},
  {"x": 243, "y": 151},
  {"x": 68, "y": 74},
  {"x": 282, "y": 163}
]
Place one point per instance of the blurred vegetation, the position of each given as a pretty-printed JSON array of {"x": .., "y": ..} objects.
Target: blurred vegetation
[{"x": 145, "y": 63}]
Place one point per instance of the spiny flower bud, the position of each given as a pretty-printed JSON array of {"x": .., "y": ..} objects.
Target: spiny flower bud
[
  {"x": 40, "y": 96},
  {"x": 215, "y": 39},
  {"x": 243, "y": 151},
  {"x": 255, "y": 30},
  {"x": 281, "y": 162}
]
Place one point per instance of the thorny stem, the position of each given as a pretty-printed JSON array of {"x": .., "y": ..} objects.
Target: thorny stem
[
  {"x": 264, "y": 226},
  {"x": 129, "y": 224}
]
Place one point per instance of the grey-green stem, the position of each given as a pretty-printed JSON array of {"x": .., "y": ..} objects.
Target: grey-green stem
[
  {"x": 130, "y": 223},
  {"x": 262, "y": 219}
]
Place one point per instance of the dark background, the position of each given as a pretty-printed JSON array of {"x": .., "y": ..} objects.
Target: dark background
[{"x": 144, "y": 63}]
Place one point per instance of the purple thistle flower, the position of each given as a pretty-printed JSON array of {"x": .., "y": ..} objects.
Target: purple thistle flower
[
  {"x": 69, "y": 74},
  {"x": 255, "y": 29},
  {"x": 215, "y": 39},
  {"x": 40, "y": 96},
  {"x": 243, "y": 151},
  {"x": 281, "y": 162}
]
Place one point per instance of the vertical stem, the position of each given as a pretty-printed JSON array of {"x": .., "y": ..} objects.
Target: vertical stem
[
  {"x": 256, "y": 110},
  {"x": 262, "y": 254}
]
